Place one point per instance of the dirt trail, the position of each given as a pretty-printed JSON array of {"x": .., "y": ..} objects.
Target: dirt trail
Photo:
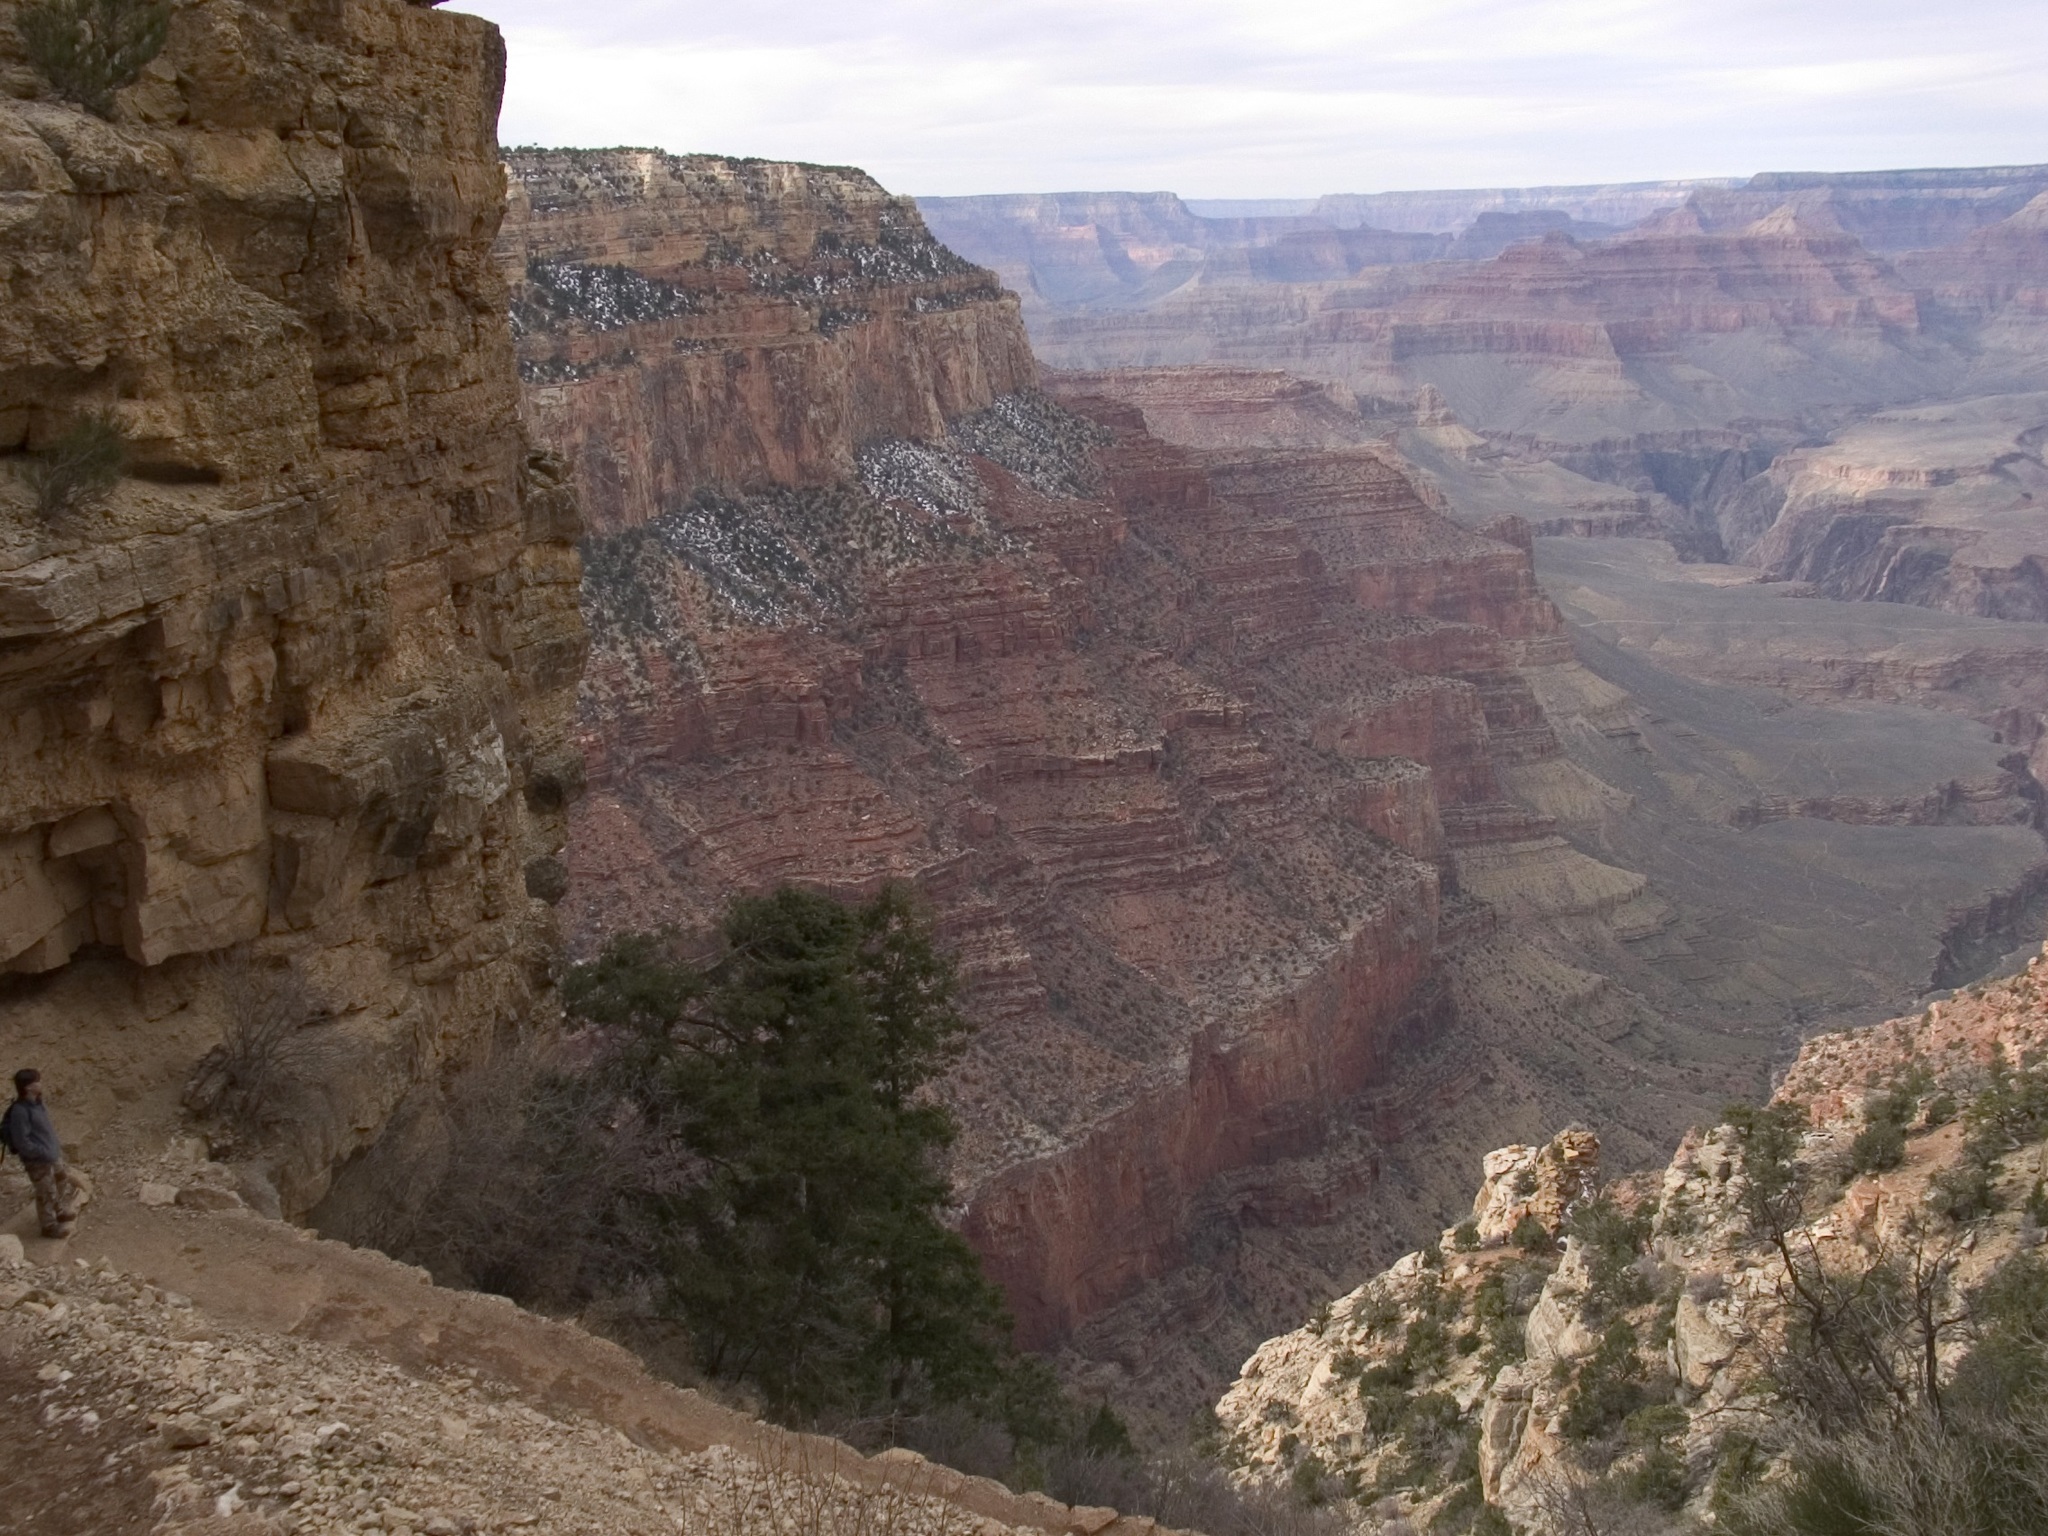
[{"x": 241, "y": 1270}]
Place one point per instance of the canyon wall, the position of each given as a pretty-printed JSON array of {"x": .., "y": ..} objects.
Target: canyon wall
[
  {"x": 1179, "y": 746},
  {"x": 1257, "y": 784},
  {"x": 300, "y": 687}
]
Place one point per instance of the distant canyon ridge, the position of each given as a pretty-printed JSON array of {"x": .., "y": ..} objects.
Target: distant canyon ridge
[{"x": 1688, "y": 357}]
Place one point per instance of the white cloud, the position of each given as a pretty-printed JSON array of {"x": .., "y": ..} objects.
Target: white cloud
[{"x": 1271, "y": 98}]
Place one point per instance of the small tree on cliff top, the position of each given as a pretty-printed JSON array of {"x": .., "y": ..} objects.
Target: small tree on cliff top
[{"x": 807, "y": 1254}]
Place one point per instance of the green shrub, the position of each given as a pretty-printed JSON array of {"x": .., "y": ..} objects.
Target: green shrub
[
  {"x": 1680, "y": 1219},
  {"x": 1466, "y": 1236},
  {"x": 1458, "y": 1511},
  {"x": 89, "y": 49},
  {"x": 2011, "y": 1111},
  {"x": 2009, "y": 1365},
  {"x": 1655, "y": 1424},
  {"x": 1962, "y": 1193},
  {"x": 1306, "y": 1483},
  {"x": 1659, "y": 1478},
  {"x": 1427, "y": 1347},
  {"x": 79, "y": 469},
  {"x": 1531, "y": 1236},
  {"x": 1773, "y": 1191},
  {"x": 1739, "y": 1462},
  {"x": 1612, "y": 1240},
  {"x": 1107, "y": 1434},
  {"x": 809, "y": 1254},
  {"x": 1879, "y": 1147},
  {"x": 1500, "y": 1306},
  {"x": 1610, "y": 1386},
  {"x": 1376, "y": 1312}
]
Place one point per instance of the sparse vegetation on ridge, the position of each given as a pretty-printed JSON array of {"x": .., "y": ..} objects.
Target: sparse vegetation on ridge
[
  {"x": 1813, "y": 1330},
  {"x": 594, "y": 297},
  {"x": 79, "y": 469}
]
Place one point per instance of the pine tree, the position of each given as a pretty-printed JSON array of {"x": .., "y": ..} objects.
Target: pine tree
[{"x": 807, "y": 1254}]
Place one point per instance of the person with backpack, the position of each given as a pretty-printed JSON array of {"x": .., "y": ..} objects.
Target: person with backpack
[{"x": 26, "y": 1131}]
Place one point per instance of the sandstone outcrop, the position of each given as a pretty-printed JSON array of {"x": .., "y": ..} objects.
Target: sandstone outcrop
[
  {"x": 1544, "y": 1184},
  {"x": 303, "y": 682}
]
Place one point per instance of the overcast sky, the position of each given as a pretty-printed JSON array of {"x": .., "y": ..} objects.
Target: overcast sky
[{"x": 1287, "y": 98}]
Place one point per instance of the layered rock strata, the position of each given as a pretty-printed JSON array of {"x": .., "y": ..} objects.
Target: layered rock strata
[
  {"x": 302, "y": 682},
  {"x": 1682, "y": 739},
  {"x": 1629, "y": 380},
  {"x": 1938, "y": 506},
  {"x": 1180, "y": 747}
]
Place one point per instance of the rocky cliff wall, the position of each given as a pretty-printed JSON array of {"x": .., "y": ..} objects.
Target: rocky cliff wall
[{"x": 302, "y": 683}]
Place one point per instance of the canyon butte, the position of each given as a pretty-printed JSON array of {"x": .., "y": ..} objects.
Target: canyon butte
[{"x": 1352, "y": 693}]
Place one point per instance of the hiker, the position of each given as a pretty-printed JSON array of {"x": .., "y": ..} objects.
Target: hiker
[{"x": 26, "y": 1131}]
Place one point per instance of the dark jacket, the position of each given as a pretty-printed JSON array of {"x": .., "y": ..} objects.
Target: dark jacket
[{"x": 26, "y": 1131}]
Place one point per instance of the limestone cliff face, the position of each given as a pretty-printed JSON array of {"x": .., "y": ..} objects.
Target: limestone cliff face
[
  {"x": 696, "y": 322},
  {"x": 303, "y": 682}
]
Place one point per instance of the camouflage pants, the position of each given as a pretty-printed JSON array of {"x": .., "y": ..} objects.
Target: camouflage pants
[{"x": 57, "y": 1195}]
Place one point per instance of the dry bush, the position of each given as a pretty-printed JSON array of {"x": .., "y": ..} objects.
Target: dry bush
[
  {"x": 799, "y": 1485},
  {"x": 1184, "y": 1491},
  {"x": 1570, "y": 1502},
  {"x": 89, "y": 49},
  {"x": 273, "y": 1053},
  {"x": 1915, "y": 1478},
  {"x": 525, "y": 1180},
  {"x": 79, "y": 469}
]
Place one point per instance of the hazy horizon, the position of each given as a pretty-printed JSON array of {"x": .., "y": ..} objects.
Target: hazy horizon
[{"x": 1290, "y": 99}]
